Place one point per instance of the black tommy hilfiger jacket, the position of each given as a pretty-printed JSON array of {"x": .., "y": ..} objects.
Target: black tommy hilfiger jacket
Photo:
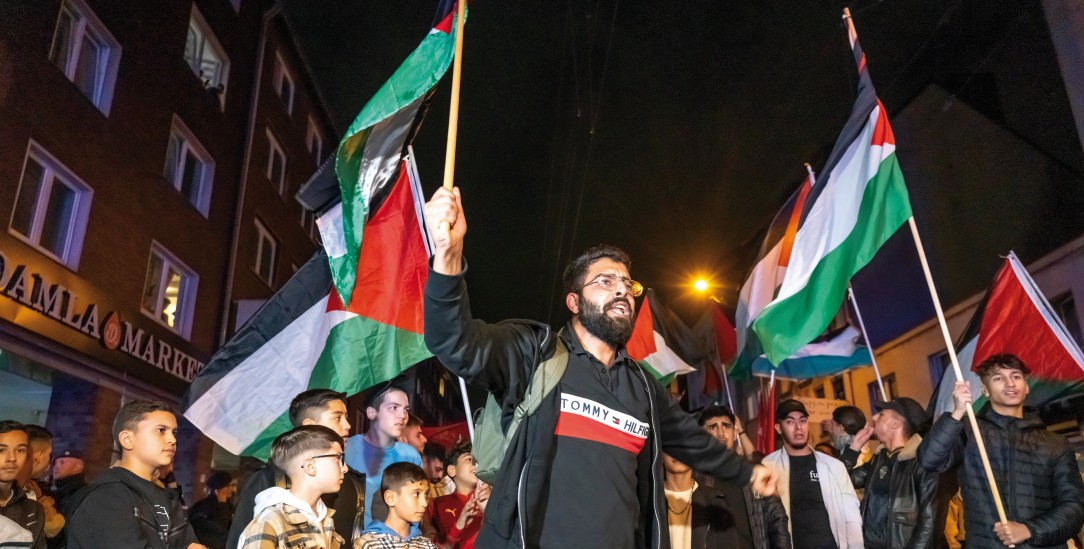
[{"x": 501, "y": 359}]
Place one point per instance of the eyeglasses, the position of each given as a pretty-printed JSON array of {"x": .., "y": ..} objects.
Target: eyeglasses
[
  {"x": 609, "y": 282},
  {"x": 342, "y": 458}
]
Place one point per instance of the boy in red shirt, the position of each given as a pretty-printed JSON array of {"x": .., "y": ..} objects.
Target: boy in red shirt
[{"x": 457, "y": 517}]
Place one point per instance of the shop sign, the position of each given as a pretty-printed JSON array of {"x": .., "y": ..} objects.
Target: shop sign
[{"x": 55, "y": 301}]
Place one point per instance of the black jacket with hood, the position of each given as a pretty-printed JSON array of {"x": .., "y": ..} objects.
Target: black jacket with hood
[
  {"x": 501, "y": 359},
  {"x": 120, "y": 510},
  {"x": 1035, "y": 471},
  {"x": 26, "y": 513}
]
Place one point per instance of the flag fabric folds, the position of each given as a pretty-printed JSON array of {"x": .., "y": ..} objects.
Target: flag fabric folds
[
  {"x": 1015, "y": 318},
  {"x": 305, "y": 338},
  {"x": 368, "y": 156},
  {"x": 828, "y": 355},
  {"x": 859, "y": 201},
  {"x": 661, "y": 342}
]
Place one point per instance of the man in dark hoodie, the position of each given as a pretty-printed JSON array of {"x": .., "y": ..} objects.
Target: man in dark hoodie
[
  {"x": 124, "y": 508},
  {"x": 1037, "y": 473},
  {"x": 14, "y": 503},
  {"x": 586, "y": 468}
]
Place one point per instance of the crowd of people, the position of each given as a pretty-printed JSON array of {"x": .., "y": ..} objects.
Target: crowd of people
[{"x": 598, "y": 455}]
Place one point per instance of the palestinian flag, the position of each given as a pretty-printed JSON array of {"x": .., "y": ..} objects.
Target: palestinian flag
[
  {"x": 368, "y": 156},
  {"x": 763, "y": 282},
  {"x": 833, "y": 353},
  {"x": 1015, "y": 318},
  {"x": 859, "y": 202},
  {"x": 304, "y": 338},
  {"x": 661, "y": 342},
  {"x": 715, "y": 334}
]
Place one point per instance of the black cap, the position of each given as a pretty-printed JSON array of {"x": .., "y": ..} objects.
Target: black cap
[
  {"x": 69, "y": 453},
  {"x": 401, "y": 382},
  {"x": 911, "y": 411},
  {"x": 785, "y": 408}
]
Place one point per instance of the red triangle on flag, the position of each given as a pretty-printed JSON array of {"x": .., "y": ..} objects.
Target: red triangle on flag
[
  {"x": 641, "y": 343},
  {"x": 393, "y": 263},
  {"x": 1019, "y": 321}
]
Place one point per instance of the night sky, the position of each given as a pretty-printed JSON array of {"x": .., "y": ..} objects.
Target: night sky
[{"x": 677, "y": 131}]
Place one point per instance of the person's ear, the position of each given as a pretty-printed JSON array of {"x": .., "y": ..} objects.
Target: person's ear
[
  {"x": 390, "y": 498},
  {"x": 127, "y": 439},
  {"x": 778, "y": 429},
  {"x": 450, "y": 471},
  {"x": 985, "y": 391},
  {"x": 572, "y": 301},
  {"x": 308, "y": 421},
  {"x": 370, "y": 413}
]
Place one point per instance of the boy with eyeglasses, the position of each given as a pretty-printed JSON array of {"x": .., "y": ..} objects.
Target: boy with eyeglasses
[{"x": 312, "y": 458}]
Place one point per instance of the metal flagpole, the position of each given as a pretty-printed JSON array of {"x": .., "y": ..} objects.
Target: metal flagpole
[
  {"x": 466, "y": 406},
  {"x": 865, "y": 337}
]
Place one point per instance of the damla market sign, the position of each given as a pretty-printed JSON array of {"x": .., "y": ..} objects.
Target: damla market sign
[{"x": 34, "y": 290}]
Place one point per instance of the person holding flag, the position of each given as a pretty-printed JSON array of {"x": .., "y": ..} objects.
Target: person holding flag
[
  {"x": 586, "y": 468},
  {"x": 1035, "y": 467}
]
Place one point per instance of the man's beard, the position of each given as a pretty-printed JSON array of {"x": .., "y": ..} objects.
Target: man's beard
[
  {"x": 613, "y": 331},
  {"x": 842, "y": 442}
]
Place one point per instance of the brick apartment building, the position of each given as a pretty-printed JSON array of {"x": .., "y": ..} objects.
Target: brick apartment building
[{"x": 149, "y": 154}]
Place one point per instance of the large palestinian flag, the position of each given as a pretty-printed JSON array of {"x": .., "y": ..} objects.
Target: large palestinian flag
[
  {"x": 661, "y": 342},
  {"x": 304, "y": 338},
  {"x": 831, "y": 354},
  {"x": 859, "y": 201},
  {"x": 1015, "y": 318},
  {"x": 368, "y": 156}
]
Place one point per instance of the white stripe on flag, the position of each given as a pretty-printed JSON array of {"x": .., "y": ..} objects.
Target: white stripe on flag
[
  {"x": 664, "y": 360},
  {"x": 833, "y": 216},
  {"x": 331, "y": 231},
  {"x": 250, "y": 397}
]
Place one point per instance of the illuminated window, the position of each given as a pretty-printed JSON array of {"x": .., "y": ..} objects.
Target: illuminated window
[
  {"x": 189, "y": 167},
  {"x": 206, "y": 56},
  {"x": 276, "y": 164},
  {"x": 51, "y": 208},
  {"x": 284, "y": 83},
  {"x": 314, "y": 142},
  {"x": 85, "y": 51},
  {"x": 169, "y": 292},
  {"x": 266, "y": 250}
]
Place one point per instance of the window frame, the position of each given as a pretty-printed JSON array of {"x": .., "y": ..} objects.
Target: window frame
[
  {"x": 190, "y": 143},
  {"x": 86, "y": 22},
  {"x": 208, "y": 37},
  {"x": 53, "y": 171},
  {"x": 264, "y": 234},
  {"x": 314, "y": 140},
  {"x": 186, "y": 297},
  {"x": 275, "y": 147},
  {"x": 875, "y": 401},
  {"x": 283, "y": 75}
]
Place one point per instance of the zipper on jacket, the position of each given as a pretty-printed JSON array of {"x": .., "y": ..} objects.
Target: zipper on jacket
[
  {"x": 654, "y": 460},
  {"x": 523, "y": 471}
]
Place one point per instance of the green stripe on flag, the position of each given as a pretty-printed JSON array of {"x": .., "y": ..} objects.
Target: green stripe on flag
[{"x": 787, "y": 325}]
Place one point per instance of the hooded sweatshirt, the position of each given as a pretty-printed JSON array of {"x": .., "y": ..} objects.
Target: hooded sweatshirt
[
  {"x": 284, "y": 520},
  {"x": 378, "y": 535}
]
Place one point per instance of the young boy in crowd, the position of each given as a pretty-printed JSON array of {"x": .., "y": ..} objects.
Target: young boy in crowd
[
  {"x": 124, "y": 508},
  {"x": 14, "y": 502},
  {"x": 313, "y": 407},
  {"x": 312, "y": 457},
  {"x": 457, "y": 516},
  {"x": 403, "y": 489}
]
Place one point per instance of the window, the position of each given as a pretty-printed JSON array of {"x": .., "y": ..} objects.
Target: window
[
  {"x": 51, "y": 208},
  {"x": 276, "y": 164},
  {"x": 86, "y": 53},
  {"x": 169, "y": 292},
  {"x": 938, "y": 363},
  {"x": 189, "y": 167},
  {"x": 284, "y": 83},
  {"x": 838, "y": 391},
  {"x": 314, "y": 142},
  {"x": 206, "y": 56},
  {"x": 875, "y": 400},
  {"x": 266, "y": 249},
  {"x": 1065, "y": 307},
  {"x": 818, "y": 392}
]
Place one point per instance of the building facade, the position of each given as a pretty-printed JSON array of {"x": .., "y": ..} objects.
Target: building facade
[{"x": 127, "y": 132}]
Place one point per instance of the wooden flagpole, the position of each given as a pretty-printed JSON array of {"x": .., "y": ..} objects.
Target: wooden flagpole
[
  {"x": 852, "y": 34},
  {"x": 865, "y": 337},
  {"x": 449, "y": 158}
]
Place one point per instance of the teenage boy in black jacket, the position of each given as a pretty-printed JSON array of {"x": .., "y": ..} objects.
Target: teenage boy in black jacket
[
  {"x": 14, "y": 503},
  {"x": 586, "y": 468},
  {"x": 124, "y": 508},
  {"x": 1037, "y": 473}
]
